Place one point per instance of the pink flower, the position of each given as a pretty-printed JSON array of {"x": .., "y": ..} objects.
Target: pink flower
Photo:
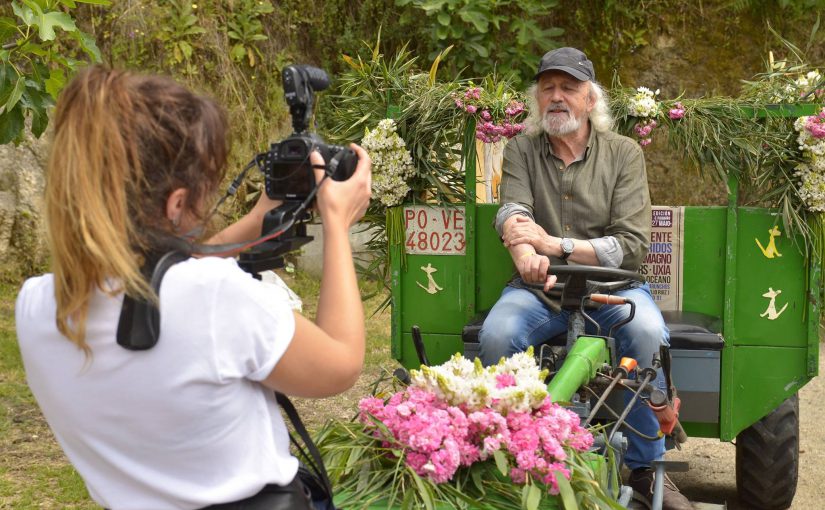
[
  {"x": 514, "y": 108},
  {"x": 677, "y": 112},
  {"x": 815, "y": 125},
  {"x": 471, "y": 108},
  {"x": 645, "y": 142},
  {"x": 505, "y": 380},
  {"x": 473, "y": 93},
  {"x": 485, "y": 115},
  {"x": 437, "y": 439}
]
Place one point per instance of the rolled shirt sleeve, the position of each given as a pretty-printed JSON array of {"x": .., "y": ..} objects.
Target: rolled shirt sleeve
[{"x": 507, "y": 210}]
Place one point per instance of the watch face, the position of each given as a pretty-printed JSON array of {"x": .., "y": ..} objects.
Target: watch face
[{"x": 567, "y": 245}]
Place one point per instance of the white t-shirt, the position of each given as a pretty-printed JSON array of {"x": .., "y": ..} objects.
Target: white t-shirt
[{"x": 182, "y": 425}]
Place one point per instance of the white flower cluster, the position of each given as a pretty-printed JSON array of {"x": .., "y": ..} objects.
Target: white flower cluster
[
  {"x": 811, "y": 172},
  {"x": 802, "y": 86},
  {"x": 808, "y": 143},
  {"x": 514, "y": 384},
  {"x": 391, "y": 163},
  {"x": 644, "y": 104}
]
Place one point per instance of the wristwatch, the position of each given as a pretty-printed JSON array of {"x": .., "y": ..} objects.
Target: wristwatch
[{"x": 566, "y": 247}]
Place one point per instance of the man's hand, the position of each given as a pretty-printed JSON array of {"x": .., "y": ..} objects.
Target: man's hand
[
  {"x": 523, "y": 230},
  {"x": 533, "y": 269}
]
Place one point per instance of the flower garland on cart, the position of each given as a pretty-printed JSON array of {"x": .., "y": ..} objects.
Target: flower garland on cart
[{"x": 775, "y": 157}]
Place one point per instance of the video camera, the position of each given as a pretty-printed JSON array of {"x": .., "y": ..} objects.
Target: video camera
[{"x": 288, "y": 172}]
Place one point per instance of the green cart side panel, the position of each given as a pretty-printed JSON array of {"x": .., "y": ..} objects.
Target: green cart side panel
[
  {"x": 771, "y": 349},
  {"x": 439, "y": 348},
  {"x": 770, "y": 289},
  {"x": 493, "y": 262},
  {"x": 704, "y": 260},
  {"x": 695, "y": 429},
  {"x": 762, "y": 377},
  {"x": 444, "y": 310}
]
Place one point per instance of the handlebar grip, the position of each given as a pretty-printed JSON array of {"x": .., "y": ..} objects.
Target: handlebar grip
[
  {"x": 608, "y": 300},
  {"x": 628, "y": 365}
]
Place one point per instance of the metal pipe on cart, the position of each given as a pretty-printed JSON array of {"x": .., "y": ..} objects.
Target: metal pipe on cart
[{"x": 648, "y": 375}]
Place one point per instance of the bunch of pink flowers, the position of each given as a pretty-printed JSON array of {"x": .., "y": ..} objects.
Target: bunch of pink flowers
[
  {"x": 643, "y": 130},
  {"x": 677, "y": 112},
  {"x": 439, "y": 437},
  {"x": 488, "y": 130},
  {"x": 815, "y": 125}
]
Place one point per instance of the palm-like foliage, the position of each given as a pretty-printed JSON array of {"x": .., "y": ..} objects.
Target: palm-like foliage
[{"x": 375, "y": 88}]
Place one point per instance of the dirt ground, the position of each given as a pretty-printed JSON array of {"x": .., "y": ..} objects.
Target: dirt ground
[{"x": 712, "y": 475}]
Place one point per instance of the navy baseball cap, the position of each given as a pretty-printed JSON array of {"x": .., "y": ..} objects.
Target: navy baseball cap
[{"x": 569, "y": 60}]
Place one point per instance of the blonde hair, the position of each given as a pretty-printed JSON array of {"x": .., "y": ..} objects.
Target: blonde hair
[
  {"x": 600, "y": 116},
  {"x": 122, "y": 144}
]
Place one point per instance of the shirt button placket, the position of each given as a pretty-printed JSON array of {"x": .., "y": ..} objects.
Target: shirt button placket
[{"x": 567, "y": 202}]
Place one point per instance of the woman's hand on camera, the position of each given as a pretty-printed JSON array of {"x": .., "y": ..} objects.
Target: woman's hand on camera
[{"x": 343, "y": 203}]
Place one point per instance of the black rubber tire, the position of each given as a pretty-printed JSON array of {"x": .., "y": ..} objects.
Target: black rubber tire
[{"x": 767, "y": 459}]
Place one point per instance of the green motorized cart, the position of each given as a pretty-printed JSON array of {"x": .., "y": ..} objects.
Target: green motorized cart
[{"x": 739, "y": 297}]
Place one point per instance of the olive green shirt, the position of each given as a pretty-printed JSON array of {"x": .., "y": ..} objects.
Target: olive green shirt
[{"x": 602, "y": 197}]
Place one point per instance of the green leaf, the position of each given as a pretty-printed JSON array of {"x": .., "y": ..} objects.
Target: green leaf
[
  {"x": 87, "y": 44},
  {"x": 95, "y": 2},
  {"x": 481, "y": 50},
  {"x": 11, "y": 125},
  {"x": 194, "y": 31},
  {"x": 533, "y": 497},
  {"x": 8, "y": 27},
  {"x": 23, "y": 12},
  {"x": 568, "y": 498},
  {"x": 238, "y": 52},
  {"x": 50, "y": 20},
  {"x": 553, "y": 32},
  {"x": 55, "y": 82},
  {"x": 8, "y": 78},
  {"x": 69, "y": 3},
  {"x": 441, "y": 32},
  {"x": 40, "y": 120},
  {"x": 444, "y": 18},
  {"x": 501, "y": 462},
  {"x": 185, "y": 48},
  {"x": 16, "y": 93},
  {"x": 423, "y": 492},
  {"x": 479, "y": 20}
]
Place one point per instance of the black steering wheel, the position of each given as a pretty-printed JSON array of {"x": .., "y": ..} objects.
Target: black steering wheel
[{"x": 577, "y": 281}]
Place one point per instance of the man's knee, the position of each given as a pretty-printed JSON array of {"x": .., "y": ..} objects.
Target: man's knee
[
  {"x": 497, "y": 338},
  {"x": 643, "y": 339}
]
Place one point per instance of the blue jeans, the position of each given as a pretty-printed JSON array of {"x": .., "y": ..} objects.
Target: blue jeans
[{"x": 519, "y": 319}]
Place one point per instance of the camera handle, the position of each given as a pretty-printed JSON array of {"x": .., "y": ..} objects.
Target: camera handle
[{"x": 270, "y": 254}]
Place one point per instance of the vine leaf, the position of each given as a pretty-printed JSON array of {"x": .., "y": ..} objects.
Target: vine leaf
[
  {"x": 50, "y": 20},
  {"x": 11, "y": 123}
]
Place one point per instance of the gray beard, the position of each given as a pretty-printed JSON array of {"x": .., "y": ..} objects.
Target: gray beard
[{"x": 554, "y": 127}]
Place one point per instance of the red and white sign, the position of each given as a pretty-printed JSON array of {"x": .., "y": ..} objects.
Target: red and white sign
[{"x": 434, "y": 230}]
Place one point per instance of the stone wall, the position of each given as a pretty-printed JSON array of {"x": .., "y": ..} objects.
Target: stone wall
[{"x": 22, "y": 233}]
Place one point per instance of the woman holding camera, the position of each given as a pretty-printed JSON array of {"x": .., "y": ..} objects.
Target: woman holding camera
[{"x": 192, "y": 422}]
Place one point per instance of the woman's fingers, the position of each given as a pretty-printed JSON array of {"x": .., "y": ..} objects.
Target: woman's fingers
[{"x": 346, "y": 201}]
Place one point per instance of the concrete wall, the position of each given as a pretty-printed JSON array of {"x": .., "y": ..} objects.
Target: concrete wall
[{"x": 311, "y": 257}]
